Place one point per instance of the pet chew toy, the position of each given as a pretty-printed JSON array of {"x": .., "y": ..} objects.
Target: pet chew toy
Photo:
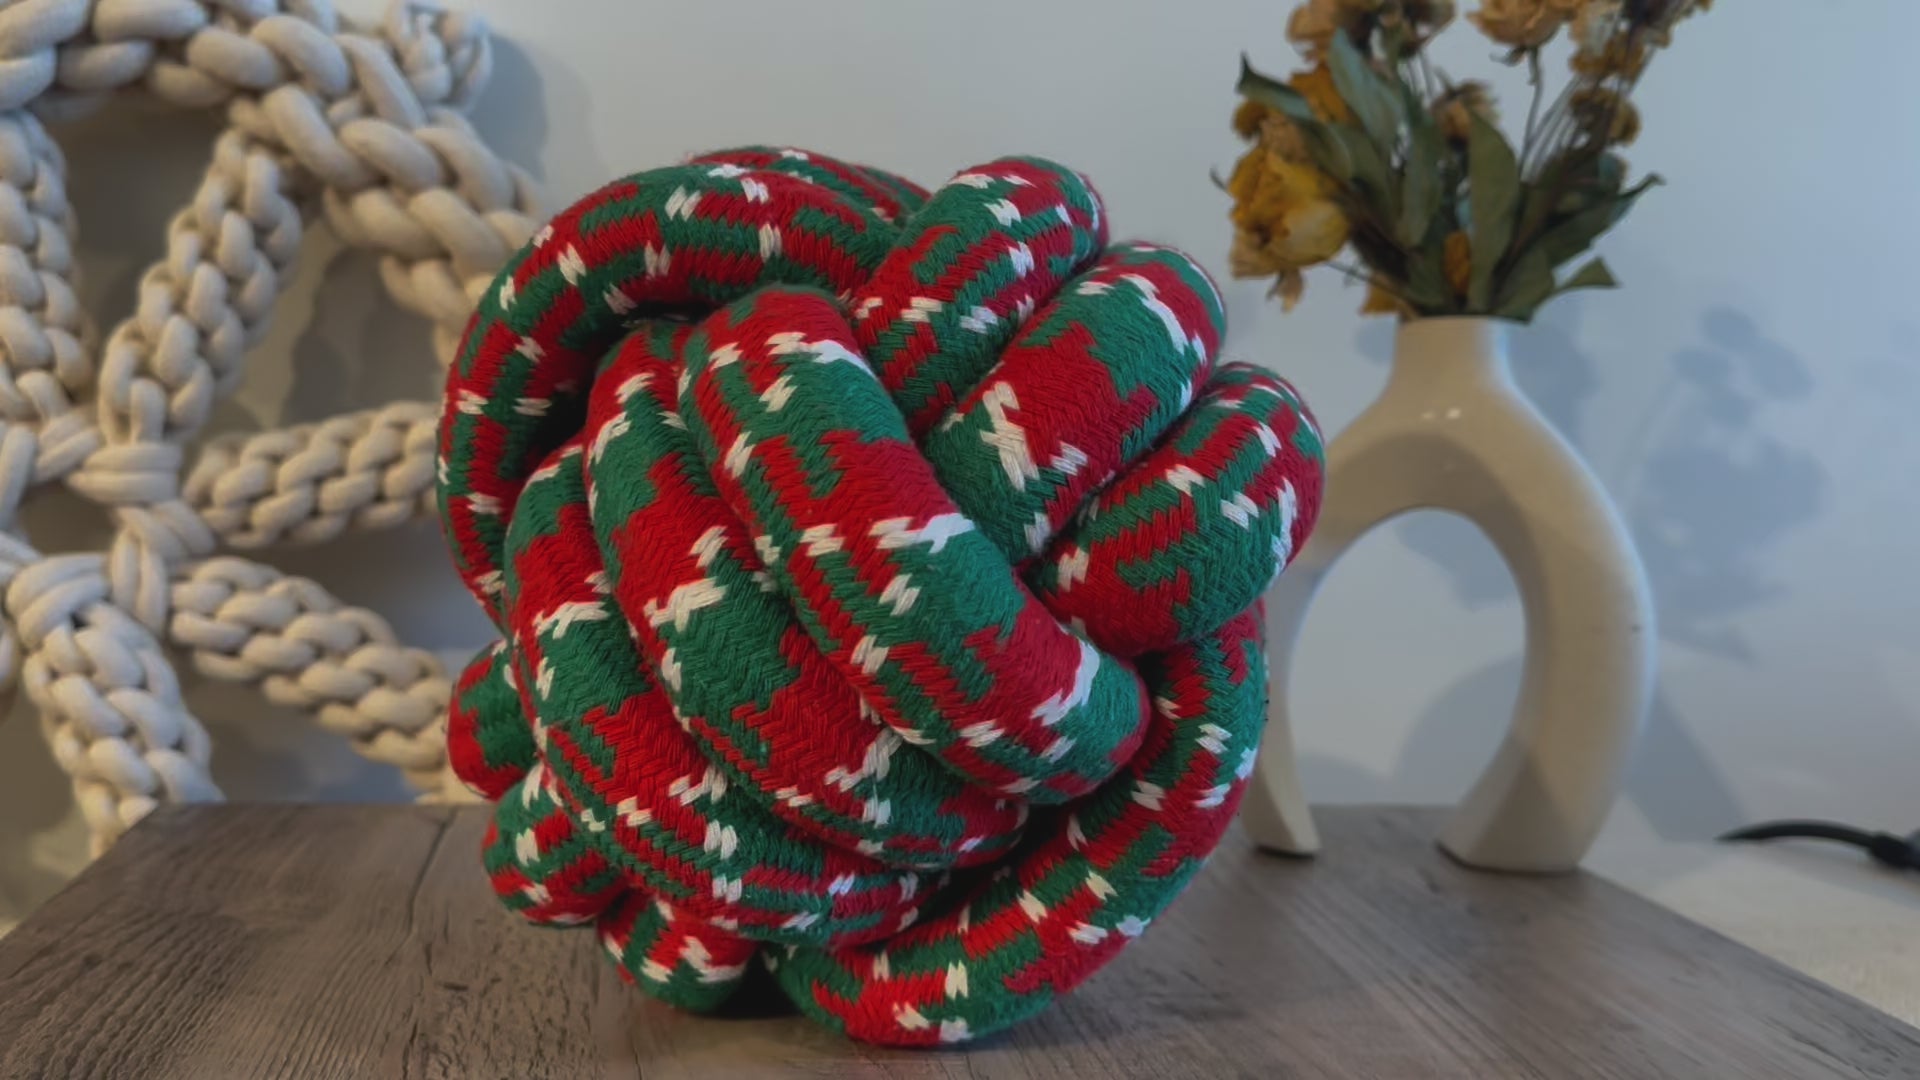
[{"x": 879, "y": 578}]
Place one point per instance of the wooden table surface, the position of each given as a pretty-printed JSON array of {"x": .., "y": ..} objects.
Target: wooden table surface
[{"x": 308, "y": 941}]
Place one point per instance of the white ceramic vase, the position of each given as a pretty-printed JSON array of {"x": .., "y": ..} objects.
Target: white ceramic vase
[{"x": 1452, "y": 432}]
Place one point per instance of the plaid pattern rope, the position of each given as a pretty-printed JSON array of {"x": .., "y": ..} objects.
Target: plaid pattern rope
[{"x": 879, "y": 577}]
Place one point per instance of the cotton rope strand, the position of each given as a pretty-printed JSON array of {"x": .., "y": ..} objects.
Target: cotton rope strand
[{"x": 878, "y": 574}]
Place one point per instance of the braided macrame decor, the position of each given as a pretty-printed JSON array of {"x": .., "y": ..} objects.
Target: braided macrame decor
[
  {"x": 879, "y": 574},
  {"x": 356, "y": 124}
]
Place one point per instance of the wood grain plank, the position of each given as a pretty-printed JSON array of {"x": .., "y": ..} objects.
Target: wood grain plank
[{"x": 363, "y": 941}]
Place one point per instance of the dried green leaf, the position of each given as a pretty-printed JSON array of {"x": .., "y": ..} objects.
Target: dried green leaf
[
  {"x": 1536, "y": 206},
  {"x": 1587, "y": 181},
  {"x": 1627, "y": 198},
  {"x": 1273, "y": 93},
  {"x": 1493, "y": 195},
  {"x": 1369, "y": 168},
  {"x": 1610, "y": 172},
  {"x": 1378, "y": 252},
  {"x": 1366, "y": 93},
  {"x": 1328, "y": 149},
  {"x": 1529, "y": 284},
  {"x": 1577, "y": 233},
  {"x": 1593, "y": 275},
  {"x": 1420, "y": 191},
  {"x": 1426, "y": 285}
]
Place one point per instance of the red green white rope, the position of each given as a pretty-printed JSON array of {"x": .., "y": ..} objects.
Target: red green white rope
[{"x": 879, "y": 577}]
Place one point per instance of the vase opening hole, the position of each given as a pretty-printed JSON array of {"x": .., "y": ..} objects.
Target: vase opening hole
[{"x": 1407, "y": 666}]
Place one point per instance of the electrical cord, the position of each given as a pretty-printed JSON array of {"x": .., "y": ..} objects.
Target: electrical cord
[{"x": 1887, "y": 849}]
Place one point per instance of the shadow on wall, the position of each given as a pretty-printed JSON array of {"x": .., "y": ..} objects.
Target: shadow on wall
[
  {"x": 354, "y": 349},
  {"x": 1707, "y": 495},
  {"x": 517, "y": 115}
]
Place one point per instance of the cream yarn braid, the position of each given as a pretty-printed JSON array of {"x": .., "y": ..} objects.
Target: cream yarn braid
[{"x": 356, "y": 123}]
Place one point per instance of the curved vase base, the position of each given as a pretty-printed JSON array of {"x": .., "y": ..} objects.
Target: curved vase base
[
  {"x": 1452, "y": 433},
  {"x": 1275, "y": 815}
]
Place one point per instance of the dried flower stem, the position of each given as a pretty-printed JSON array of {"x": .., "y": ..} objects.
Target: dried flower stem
[
  {"x": 1533, "y": 109},
  {"x": 1558, "y": 124},
  {"x": 1429, "y": 82},
  {"x": 1355, "y": 273}
]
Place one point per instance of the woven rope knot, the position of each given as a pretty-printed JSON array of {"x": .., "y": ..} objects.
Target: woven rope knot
[
  {"x": 444, "y": 53},
  {"x": 878, "y": 574},
  {"x": 323, "y": 115}
]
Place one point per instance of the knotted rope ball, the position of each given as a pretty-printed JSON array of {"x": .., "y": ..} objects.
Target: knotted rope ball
[{"x": 879, "y": 577}]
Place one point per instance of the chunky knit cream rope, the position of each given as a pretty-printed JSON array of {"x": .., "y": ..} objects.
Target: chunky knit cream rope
[
  {"x": 364, "y": 470},
  {"x": 356, "y": 124}
]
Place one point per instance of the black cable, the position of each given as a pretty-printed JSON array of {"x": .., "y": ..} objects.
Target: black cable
[{"x": 1887, "y": 849}]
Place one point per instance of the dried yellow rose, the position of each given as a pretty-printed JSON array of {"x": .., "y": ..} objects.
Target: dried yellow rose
[
  {"x": 1604, "y": 44},
  {"x": 1284, "y": 220},
  {"x": 1270, "y": 129},
  {"x": 1287, "y": 207},
  {"x": 1456, "y": 108},
  {"x": 1282, "y": 136},
  {"x": 1289, "y": 287},
  {"x": 1277, "y": 133},
  {"x": 1522, "y": 24},
  {"x": 1312, "y": 25},
  {"x": 1309, "y": 233},
  {"x": 1316, "y": 85},
  {"x": 1594, "y": 25},
  {"x": 1247, "y": 118}
]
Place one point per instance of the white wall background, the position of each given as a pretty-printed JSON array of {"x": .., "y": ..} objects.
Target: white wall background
[{"x": 1749, "y": 397}]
